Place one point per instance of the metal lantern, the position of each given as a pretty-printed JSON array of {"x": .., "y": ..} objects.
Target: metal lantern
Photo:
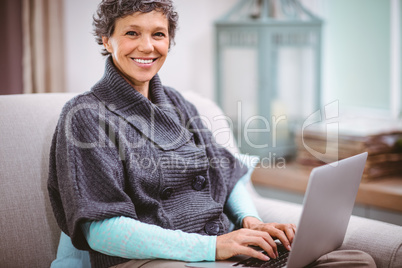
[{"x": 268, "y": 66}]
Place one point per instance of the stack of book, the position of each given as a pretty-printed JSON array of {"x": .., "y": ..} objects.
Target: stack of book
[{"x": 321, "y": 144}]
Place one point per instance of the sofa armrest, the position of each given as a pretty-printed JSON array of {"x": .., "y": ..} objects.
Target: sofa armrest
[{"x": 383, "y": 241}]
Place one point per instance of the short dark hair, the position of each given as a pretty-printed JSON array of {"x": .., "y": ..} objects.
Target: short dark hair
[{"x": 109, "y": 10}]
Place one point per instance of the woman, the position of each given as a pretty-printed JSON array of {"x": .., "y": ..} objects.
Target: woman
[{"x": 133, "y": 172}]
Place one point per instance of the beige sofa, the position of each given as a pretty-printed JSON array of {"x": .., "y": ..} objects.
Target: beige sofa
[{"x": 28, "y": 231}]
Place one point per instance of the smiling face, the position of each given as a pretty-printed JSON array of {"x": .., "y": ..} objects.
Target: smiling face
[{"x": 139, "y": 46}]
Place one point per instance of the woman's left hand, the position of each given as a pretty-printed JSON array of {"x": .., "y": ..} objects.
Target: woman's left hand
[{"x": 284, "y": 232}]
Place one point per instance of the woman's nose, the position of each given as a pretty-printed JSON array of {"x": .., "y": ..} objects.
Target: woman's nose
[{"x": 146, "y": 45}]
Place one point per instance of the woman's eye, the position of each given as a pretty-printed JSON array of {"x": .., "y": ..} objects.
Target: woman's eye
[
  {"x": 131, "y": 33},
  {"x": 160, "y": 34}
]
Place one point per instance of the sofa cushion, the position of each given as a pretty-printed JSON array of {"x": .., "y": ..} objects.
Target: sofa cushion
[
  {"x": 383, "y": 241},
  {"x": 28, "y": 231}
]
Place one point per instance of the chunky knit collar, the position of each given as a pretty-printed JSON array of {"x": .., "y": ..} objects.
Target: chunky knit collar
[{"x": 155, "y": 119}]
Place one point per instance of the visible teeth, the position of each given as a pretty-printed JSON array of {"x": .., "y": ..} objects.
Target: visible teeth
[{"x": 143, "y": 61}]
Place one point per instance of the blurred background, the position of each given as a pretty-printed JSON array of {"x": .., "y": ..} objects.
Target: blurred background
[{"x": 358, "y": 50}]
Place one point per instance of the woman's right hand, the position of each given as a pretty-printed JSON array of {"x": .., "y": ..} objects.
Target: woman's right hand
[{"x": 238, "y": 242}]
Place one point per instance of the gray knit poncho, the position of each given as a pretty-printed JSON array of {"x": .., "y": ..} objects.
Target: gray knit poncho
[{"x": 116, "y": 153}]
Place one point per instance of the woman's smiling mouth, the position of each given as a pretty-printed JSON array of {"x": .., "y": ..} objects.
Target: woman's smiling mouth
[{"x": 144, "y": 61}]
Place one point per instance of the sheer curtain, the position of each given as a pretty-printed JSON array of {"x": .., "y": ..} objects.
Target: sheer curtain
[{"x": 43, "y": 51}]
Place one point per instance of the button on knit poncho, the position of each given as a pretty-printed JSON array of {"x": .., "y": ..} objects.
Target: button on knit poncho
[{"x": 116, "y": 153}]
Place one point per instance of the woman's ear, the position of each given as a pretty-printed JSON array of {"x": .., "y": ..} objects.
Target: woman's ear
[{"x": 106, "y": 44}]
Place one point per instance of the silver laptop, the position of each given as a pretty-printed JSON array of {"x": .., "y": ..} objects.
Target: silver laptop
[{"x": 327, "y": 206}]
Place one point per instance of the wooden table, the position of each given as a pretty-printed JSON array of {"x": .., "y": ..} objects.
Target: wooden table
[{"x": 384, "y": 193}]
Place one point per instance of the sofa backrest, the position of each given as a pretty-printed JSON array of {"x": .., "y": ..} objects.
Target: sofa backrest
[
  {"x": 29, "y": 234},
  {"x": 28, "y": 231}
]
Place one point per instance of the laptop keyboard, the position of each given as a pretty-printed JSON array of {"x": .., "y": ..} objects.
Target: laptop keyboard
[{"x": 278, "y": 262}]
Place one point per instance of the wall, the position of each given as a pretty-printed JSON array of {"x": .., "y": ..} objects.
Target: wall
[
  {"x": 357, "y": 53},
  {"x": 190, "y": 65},
  {"x": 356, "y": 49},
  {"x": 84, "y": 63}
]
